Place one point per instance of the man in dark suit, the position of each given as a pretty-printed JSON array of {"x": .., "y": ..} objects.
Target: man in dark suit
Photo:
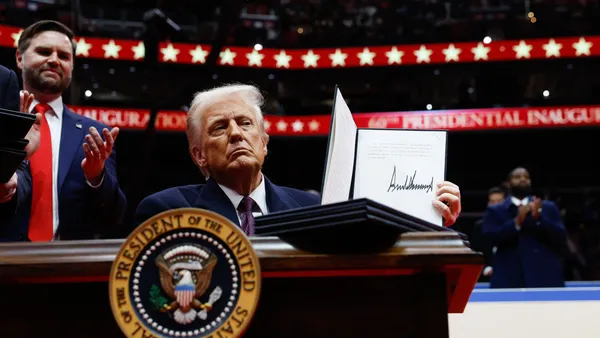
[
  {"x": 479, "y": 242},
  {"x": 9, "y": 89},
  {"x": 228, "y": 142},
  {"x": 529, "y": 237},
  {"x": 69, "y": 188},
  {"x": 9, "y": 99},
  {"x": 13, "y": 99}
]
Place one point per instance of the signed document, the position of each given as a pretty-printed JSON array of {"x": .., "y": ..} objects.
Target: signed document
[{"x": 401, "y": 169}]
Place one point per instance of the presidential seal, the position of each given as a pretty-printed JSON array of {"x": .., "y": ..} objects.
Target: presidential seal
[{"x": 185, "y": 273}]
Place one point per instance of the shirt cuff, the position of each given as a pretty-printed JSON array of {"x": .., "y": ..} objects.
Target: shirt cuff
[{"x": 95, "y": 186}]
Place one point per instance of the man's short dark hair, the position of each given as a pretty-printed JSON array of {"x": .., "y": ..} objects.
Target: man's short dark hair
[
  {"x": 510, "y": 173},
  {"x": 496, "y": 190},
  {"x": 44, "y": 26}
]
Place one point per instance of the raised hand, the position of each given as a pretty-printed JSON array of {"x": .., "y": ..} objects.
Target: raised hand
[
  {"x": 25, "y": 99},
  {"x": 8, "y": 189},
  {"x": 33, "y": 135},
  {"x": 96, "y": 152},
  {"x": 448, "y": 202},
  {"x": 536, "y": 207}
]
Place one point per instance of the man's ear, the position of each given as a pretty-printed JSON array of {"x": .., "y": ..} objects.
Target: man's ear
[
  {"x": 265, "y": 142},
  {"x": 19, "y": 58},
  {"x": 198, "y": 156}
]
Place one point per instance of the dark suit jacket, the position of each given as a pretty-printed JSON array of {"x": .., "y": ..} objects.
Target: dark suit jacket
[
  {"x": 84, "y": 212},
  {"x": 211, "y": 197},
  {"x": 530, "y": 257},
  {"x": 9, "y": 89}
]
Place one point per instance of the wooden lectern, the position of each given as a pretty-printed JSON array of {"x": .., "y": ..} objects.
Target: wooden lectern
[{"x": 60, "y": 289}]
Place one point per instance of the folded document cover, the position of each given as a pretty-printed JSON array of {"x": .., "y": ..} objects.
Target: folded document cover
[
  {"x": 14, "y": 126},
  {"x": 354, "y": 226}
]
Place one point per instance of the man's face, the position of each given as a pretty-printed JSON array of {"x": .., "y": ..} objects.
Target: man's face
[
  {"x": 495, "y": 198},
  {"x": 47, "y": 64},
  {"x": 232, "y": 140},
  {"x": 520, "y": 179}
]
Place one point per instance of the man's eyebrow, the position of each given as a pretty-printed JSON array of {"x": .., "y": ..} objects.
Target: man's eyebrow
[{"x": 214, "y": 120}]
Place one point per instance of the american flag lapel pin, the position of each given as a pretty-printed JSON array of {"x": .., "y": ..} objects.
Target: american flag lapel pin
[{"x": 78, "y": 125}]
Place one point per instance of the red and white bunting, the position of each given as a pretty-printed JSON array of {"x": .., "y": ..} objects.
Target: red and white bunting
[
  {"x": 318, "y": 125},
  {"x": 367, "y": 56}
]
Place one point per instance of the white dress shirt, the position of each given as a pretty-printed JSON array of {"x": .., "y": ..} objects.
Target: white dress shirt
[
  {"x": 259, "y": 195},
  {"x": 54, "y": 118}
]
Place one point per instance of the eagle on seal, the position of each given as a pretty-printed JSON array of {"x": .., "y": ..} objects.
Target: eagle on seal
[{"x": 185, "y": 275}]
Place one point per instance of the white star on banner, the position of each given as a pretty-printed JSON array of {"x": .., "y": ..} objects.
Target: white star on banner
[
  {"x": 281, "y": 125},
  {"x": 227, "y": 56},
  {"x": 338, "y": 58},
  {"x": 480, "y": 52},
  {"x": 451, "y": 53},
  {"x": 394, "y": 56},
  {"x": 313, "y": 125},
  {"x": 423, "y": 54},
  {"x": 283, "y": 60},
  {"x": 267, "y": 125},
  {"x": 198, "y": 54},
  {"x": 170, "y": 53},
  {"x": 366, "y": 57},
  {"x": 255, "y": 58},
  {"x": 310, "y": 59},
  {"x": 552, "y": 48},
  {"x": 111, "y": 49},
  {"x": 16, "y": 37},
  {"x": 83, "y": 48},
  {"x": 582, "y": 47},
  {"x": 523, "y": 50},
  {"x": 139, "y": 51},
  {"x": 297, "y": 126}
]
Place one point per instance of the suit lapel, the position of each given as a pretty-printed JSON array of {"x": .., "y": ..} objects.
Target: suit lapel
[
  {"x": 213, "y": 198},
  {"x": 70, "y": 141},
  {"x": 277, "y": 198}
]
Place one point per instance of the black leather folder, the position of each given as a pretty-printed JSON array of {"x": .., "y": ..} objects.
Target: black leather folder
[
  {"x": 14, "y": 125},
  {"x": 354, "y": 226},
  {"x": 10, "y": 159},
  {"x": 18, "y": 144}
]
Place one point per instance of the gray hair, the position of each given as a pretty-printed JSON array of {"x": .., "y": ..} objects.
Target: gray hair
[{"x": 205, "y": 99}]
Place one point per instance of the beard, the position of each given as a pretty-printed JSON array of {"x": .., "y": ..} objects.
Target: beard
[
  {"x": 521, "y": 192},
  {"x": 37, "y": 81}
]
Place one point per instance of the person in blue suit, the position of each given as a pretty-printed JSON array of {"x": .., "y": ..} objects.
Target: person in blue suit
[
  {"x": 69, "y": 188},
  {"x": 13, "y": 99},
  {"x": 228, "y": 142},
  {"x": 529, "y": 236},
  {"x": 9, "y": 89}
]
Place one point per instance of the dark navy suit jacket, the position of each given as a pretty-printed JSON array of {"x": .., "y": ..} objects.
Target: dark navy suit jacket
[
  {"x": 84, "y": 212},
  {"x": 530, "y": 257},
  {"x": 211, "y": 197},
  {"x": 9, "y": 89}
]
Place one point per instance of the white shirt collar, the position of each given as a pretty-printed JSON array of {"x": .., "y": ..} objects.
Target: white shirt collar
[
  {"x": 519, "y": 202},
  {"x": 56, "y": 105},
  {"x": 259, "y": 195}
]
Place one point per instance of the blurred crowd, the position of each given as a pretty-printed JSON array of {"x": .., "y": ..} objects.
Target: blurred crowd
[{"x": 319, "y": 23}]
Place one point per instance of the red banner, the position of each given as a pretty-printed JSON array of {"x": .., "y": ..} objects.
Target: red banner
[
  {"x": 468, "y": 119},
  {"x": 366, "y": 56}
]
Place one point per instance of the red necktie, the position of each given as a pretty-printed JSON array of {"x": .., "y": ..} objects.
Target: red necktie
[{"x": 41, "y": 228}]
